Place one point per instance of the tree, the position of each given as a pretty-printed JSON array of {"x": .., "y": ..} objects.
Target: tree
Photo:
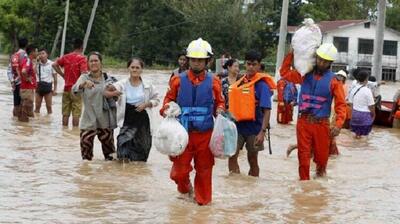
[
  {"x": 339, "y": 9},
  {"x": 15, "y": 20}
]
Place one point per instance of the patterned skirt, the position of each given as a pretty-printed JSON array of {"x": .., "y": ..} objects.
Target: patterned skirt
[{"x": 361, "y": 122}]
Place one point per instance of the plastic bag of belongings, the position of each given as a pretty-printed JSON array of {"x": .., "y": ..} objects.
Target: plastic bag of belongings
[
  {"x": 224, "y": 137},
  {"x": 305, "y": 42},
  {"x": 171, "y": 138}
]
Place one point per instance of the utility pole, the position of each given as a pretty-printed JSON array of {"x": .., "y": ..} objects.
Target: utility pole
[
  {"x": 65, "y": 29},
  {"x": 282, "y": 38},
  {"x": 378, "y": 42},
  {"x": 89, "y": 27},
  {"x": 53, "y": 49}
]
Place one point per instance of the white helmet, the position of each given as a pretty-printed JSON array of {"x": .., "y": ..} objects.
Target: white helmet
[
  {"x": 342, "y": 73},
  {"x": 199, "y": 49},
  {"x": 327, "y": 51}
]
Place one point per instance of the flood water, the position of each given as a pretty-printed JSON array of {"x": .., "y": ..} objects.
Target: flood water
[{"x": 44, "y": 180}]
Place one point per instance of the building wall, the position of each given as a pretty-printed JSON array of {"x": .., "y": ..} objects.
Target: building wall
[{"x": 356, "y": 32}]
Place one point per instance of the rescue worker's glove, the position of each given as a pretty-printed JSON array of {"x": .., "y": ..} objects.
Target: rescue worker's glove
[{"x": 173, "y": 110}]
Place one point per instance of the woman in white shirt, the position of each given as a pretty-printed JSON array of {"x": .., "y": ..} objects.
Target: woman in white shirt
[
  {"x": 136, "y": 99},
  {"x": 363, "y": 104}
]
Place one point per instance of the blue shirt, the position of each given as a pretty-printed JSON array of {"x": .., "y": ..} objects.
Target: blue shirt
[
  {"x": 134, "y": 94},
  {"x": 263, "y": 96}
]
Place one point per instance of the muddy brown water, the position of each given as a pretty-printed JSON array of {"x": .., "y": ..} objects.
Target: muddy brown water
[{"x": 44, "y": 180}]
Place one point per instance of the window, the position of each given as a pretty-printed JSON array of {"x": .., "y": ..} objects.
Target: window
[
  {"x": 338, "y": 67},
  {"x": 367, "y": 25},
  {"x": 389, "y": 74},
  {"x": 365, "y": 46},
  {"x": 341, "y": 43},
  {"x": 390, "y": 48}
]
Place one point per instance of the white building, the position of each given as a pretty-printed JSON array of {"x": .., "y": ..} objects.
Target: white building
[{"x": 355, "y": 42}]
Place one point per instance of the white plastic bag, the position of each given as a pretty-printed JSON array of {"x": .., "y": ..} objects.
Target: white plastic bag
[
  {"x": 224, "y": 137},
  {"x": 171, "y": 138},
  {"x": 305, "y": 42}
]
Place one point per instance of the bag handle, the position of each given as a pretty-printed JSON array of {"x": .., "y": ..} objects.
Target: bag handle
[{"x": 40, "y": 73}]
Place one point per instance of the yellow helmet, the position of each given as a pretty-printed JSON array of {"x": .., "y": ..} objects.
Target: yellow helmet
[
  {"x": 199, "y": 49},
  {"x": 327, "y": 51}
]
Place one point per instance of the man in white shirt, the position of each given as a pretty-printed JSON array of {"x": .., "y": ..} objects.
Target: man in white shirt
[{"x": 47, "y": 82}]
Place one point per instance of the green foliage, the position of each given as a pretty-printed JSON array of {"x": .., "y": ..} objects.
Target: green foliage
[
  {"x": 157, "y": 30},
  {"x": 339, "y": 9}
]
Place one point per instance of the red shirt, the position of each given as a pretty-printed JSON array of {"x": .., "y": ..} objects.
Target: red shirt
[
  {"x": 337, "y": 90},
  {"x": 74, "y": 65},
  {"x": 196, "y": 80},
  {"x": 28, "y": 66}
]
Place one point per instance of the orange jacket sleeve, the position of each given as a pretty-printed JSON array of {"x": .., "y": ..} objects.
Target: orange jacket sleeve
[
  {"x": 217, "y": 92},
  {"x": 289, "y": 74},
  {"x": 340, "y": 102},
  {"x": 172, "y": 92}
]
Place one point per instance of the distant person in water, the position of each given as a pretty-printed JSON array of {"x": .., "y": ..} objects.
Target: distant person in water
[{"x": 363, "y": 105}]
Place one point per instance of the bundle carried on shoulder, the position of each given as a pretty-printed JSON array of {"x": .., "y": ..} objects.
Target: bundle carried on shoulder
[
  {"x": 171, "y": 138},
  {"x": 305, "y": 42},
  {"x": 224, "y": 137}
]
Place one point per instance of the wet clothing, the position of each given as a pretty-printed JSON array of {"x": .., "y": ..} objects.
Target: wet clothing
[
  {"x": 95, "y": 119},
  {"x": 28, "y": 65},
  {"x": 105, "y": 136},
  {"x": 71, "y": 104},
  {"x": 150, "y": 96},
  {"x": 249, "y": 143},
  {"x": 285, "y": 109},
  {"x": 361, "y": 122},
  {"x": 313, "y": 129},
  {"x": 94, "y": 114},
  {"x": 134, "y": 139},
  {"x": 27, "y": 90},
  {"x": 26, "y": 110},
  {"x": 17, "y": 96},
  {"x": 198, "y": 146},
  {"x": 74, "y": 65},
  {"x": 199, "y": 151}
]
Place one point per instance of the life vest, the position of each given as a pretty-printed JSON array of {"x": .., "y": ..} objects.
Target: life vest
[
  {"x": 290, "y": 93},
  {"x": 197, "y": 103},
  {"x": 242, "y": 98},
  {"x": 315, "y": 95},
  {"x": 397, "y": 114}
]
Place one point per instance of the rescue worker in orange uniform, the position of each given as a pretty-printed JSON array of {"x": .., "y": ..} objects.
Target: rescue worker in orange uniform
[
  {"x": 319, "y": 88},
  {"x": 287, "y": 99},
  {"x": 199, "y": 96},
  {"x": 250, "y": 104}
]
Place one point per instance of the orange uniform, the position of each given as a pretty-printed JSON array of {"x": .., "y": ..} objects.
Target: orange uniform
[
  {"x": 197, "y": 148},
  {"x": 285, "y": 110},
  {"x": 313, "y": 133}
]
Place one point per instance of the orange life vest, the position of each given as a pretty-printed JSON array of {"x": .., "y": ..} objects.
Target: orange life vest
[
  {"x": 397, "y": 114},
  {"x": 242, "y": 98}
]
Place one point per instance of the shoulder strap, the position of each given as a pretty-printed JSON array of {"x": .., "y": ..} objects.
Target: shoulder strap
[
  {"x": 40, "y": 73},
  {"x": 105, "y": 76},
  {"x": 357, "y": 91}
]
